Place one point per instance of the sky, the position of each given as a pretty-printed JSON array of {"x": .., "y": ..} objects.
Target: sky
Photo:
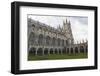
[{"x": 79, "y": 24}]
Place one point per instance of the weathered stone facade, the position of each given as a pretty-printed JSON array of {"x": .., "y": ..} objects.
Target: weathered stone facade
[{"x": 45, "y": 40}]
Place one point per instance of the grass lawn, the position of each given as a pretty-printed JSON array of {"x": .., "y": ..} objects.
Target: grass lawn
[{"x": 57, "y": 56}]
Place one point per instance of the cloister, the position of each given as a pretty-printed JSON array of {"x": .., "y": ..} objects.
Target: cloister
[
  {"x": 74, "y": 49},
  {"x": 46, "y": 40}
]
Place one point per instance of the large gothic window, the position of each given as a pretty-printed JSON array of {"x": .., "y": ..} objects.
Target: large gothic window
[
  {"x": 40, "y": 39},
  {"x": 62, "y": 42},
  {"x": 58, "y": 41},
  {"x": 54, "y": 41},
  {"x": 66, "y": 42},
  {"x": 31, "y": 38},
  {"x": 47, "y": 40}
]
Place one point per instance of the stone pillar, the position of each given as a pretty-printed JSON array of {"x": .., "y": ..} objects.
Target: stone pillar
[
  {"x": 48, "y": 51},
  {"x": 36, "y": 52},
  {"x": 36, "y": 40},
  {"x": 78, "y": 49},
  {"x": 69, "y": 50},
  {"x": 44, "y": 40},
  {"x": 61, "y": 51},
  {"x": 66, "y": 50},
  {"x": 53, "y": 51},
  {"x": 64, "y": 42},
  {"x": 57, "y": 51},
  {"x": 86, "y": 48},
  {"x": 74, "y": 50},
  {"x": 43, "y": 51}
]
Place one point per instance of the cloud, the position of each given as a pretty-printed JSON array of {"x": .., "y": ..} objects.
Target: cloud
[
  {"x": 82, "y": 20},
  {"x": 79, "y": 27},
  {"x": 53, "y": 21}
]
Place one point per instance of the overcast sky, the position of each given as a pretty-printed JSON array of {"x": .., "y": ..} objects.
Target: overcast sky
[{"x": 79, "y": 24}]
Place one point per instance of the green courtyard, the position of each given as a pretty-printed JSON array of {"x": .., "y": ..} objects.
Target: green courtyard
[{"x": 31, "y": 57}]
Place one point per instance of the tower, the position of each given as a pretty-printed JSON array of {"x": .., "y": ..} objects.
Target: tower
[{"x": 68, "y": 31}]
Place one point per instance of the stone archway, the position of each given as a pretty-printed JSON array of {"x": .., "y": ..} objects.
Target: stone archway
[
  {"x": 40, "y": 51},
  {"x": 56, "y": 51},
  {"x": 51, "y": 51},
  {"x": 76, "y": 49},
  {"x": 60, "y": 51},
  {"x": 64, "y": 50},
  {"x": 81, "y": 49},
  {"x": 46, "y": 51},
  {"x": 32, "y": 51},
  {"x": 71, "y": 51},
  {"x": 67, "y": 50}
]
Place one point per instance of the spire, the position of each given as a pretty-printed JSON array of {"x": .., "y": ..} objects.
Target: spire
[
  {"x": 63, "y": 22},
  {"x": 82, "y": 41},
  {"x": 66, "y": 20},
  {"x": 63, "y": 25},
  {"x": 59, "y": 27}
]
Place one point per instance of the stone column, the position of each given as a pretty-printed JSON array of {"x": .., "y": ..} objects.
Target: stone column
[
  {"x": 69, "y": 50},
  {"x": 74, "y": 50},
  {"x": 78, "y": 49},
  {"x": 43, "y": 51},
  {"x": 53, "y": 51},
  {"x": 48, "y": 51},
  {"x": 57, "y": 51},
  {"x": 61, "y": 51},
  {"x": 36, "y": 52},
  {"x": 64, "y": 42}
]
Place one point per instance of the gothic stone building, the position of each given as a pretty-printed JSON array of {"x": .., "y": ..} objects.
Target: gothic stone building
[{"x": 45, "y": 40}]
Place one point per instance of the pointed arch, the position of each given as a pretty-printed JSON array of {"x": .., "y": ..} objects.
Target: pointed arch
[
  {"x": 56, "y": 51},
  {"x": 51, "y": 51},
  {"x": 32, "y": 51},
  {"x": 40, "y": 52},
  {"x": 81, "y": 49},
  {"x": 76, "y": 49},
  {"x": 46, "y": 51},
  {"x": 40, "y": 39},
  {"x": 71, "y": 50}
]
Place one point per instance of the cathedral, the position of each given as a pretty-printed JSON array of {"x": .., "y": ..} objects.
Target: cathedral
[{"x": 44, "y": 39}]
